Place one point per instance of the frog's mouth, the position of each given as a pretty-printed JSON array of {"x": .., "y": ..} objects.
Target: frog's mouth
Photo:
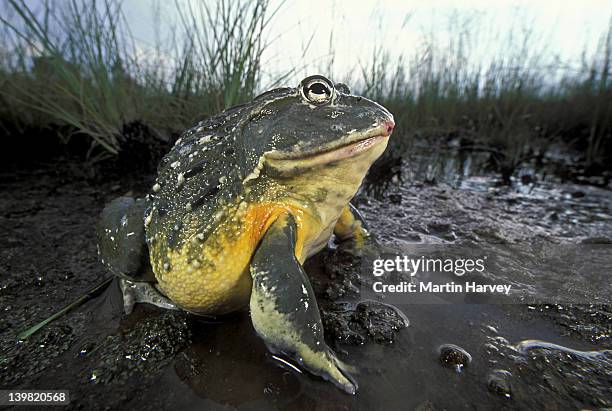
[{"x": 352, "y": 145}]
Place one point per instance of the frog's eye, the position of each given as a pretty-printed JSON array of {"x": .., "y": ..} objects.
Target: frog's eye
[{"x": 317, "y": 89}]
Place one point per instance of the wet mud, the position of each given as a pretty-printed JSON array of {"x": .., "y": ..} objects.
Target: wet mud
[{"x": 427, "y": 356}]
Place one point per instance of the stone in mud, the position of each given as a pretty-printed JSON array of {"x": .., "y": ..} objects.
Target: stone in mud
[
  {"x": 489, "y": 235},
  {"x": 453, "y": 356},
  {"x": 498, "y": 382},
  {"x": 341, "y": 275},
  {"x": 368, "y": 320},
  {"x": 596, "y": 240},
  {"x": 395, "y": 198}
]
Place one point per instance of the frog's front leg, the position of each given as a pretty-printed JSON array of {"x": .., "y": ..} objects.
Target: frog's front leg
[
  {"x": 284, "y": 310},
  {"x": 351, "y": 225}
]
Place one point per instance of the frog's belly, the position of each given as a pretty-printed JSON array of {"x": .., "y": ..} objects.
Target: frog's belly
[
  {"x": 210, "y": 279},
  {"x": 214, "y": 278},
  {"x": 214, "y": 289}
]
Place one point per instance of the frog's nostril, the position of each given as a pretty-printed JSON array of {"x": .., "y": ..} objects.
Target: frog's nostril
[{"x": 389, "y": 124}]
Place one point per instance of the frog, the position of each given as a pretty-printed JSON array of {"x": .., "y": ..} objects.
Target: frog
[{"x": 240, "y": 202}]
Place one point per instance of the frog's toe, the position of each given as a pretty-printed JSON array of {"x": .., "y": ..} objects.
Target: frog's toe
[
  {"x": 284, "y": 310},
  {"x": 141, "y": 292}
]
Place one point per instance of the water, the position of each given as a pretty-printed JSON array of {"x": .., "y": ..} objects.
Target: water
[{"x": 522, "y": 356}]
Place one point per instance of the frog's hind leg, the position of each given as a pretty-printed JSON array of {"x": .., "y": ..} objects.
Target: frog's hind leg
[
  {"x": 123, "y": 250},
  {"x": 121, "y": 239},
  {"x": 284, "y": 310}
]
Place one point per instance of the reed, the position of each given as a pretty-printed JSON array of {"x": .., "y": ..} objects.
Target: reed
[
  {"x": 76, "y": 64},
  {"x": 515, "y": 107}
]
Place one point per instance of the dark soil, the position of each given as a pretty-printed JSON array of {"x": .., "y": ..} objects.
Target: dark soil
[{"x": 155, "y": 359}]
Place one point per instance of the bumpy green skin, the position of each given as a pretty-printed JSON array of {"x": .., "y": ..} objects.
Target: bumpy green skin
[
  {"x": 254, "y": 190},
  {"x": 215, "y": 156}
]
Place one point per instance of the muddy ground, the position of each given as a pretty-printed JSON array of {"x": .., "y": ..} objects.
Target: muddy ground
[{"x": 523, "y": 356}]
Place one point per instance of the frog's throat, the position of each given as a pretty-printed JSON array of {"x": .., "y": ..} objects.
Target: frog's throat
[{"x": 323, "y": 190}]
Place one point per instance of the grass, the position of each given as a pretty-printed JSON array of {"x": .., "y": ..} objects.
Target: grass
[
  {"x": 515, "y": 108},
  {"x": 75, "y": 66}
]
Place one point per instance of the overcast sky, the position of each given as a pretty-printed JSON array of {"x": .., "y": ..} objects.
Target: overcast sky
[{"x": 563, "y": 27}]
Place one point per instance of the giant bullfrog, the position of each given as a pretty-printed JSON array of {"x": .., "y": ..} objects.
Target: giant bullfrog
[{"x": 240, "y": 202}]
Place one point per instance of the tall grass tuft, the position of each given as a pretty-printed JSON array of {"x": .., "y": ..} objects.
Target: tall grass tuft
[
  {"x": 514, "y": 106},
  {"x": 75, "y": 64}
]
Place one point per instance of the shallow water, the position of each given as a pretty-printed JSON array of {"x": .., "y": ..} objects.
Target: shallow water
[{"x": 525, "y": 353}]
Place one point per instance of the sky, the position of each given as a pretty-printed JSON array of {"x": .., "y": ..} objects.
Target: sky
[
  {"x": 349, "y": 32},
  {"x": 357, "y": 29}
]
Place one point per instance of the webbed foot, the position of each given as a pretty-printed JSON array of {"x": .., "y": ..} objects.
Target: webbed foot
[
  {"x": 284, "y": 310},
  {"x": 139, "y": 292}
]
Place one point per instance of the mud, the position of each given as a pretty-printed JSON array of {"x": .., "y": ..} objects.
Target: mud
[{"x": 154, "y": 359}]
